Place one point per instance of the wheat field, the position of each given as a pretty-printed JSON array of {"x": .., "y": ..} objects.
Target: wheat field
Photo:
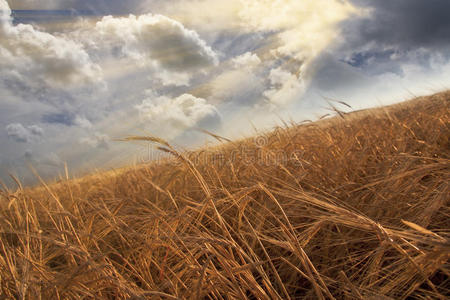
[{"x": 350, "y": 207}]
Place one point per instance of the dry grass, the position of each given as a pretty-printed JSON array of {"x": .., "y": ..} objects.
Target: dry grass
[{"x": 353, "y": 207}]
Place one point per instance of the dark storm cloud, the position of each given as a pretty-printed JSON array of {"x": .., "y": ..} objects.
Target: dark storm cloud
[
  {"x": 394, "y": 29},
  {"x": 405, "y": 23},
  {"x": 331, "y": 74}
]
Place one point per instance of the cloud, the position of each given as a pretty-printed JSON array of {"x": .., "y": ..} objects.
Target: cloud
[
  {"x": 239, "y": 87},
  {"x": 52, "y": 159},
  {"x": 332, "y": 75},
  {"x": 285, "y": 87},
  {"x": 240, "y": 57},
  {"x": 98, "y": 6},
  {"x": 253, "y": 83},
  {"x": 393, "y": 33},
  {"x": 247, "y": 59},
  {"x": 98, "y": 140},
  {"x": 47, "y": 160},
  {"x": 205, "y": 15},
  {"x": 63, "y": 118},
  {"x": 24, "y": 134},
  {"x": 34, "y": 4},
  {"x": 305, "y": 28},
  {"x": 158, "y": 41},
  {"x": 5, "y": 12},
  {"x": 36, "y": 55},
  {"x": 74, "y": 57},
  {"x": 295, "y": 34},
  {"x": 172, "y": 116},
  {"x": 83, "y": 122},
  {"x": 417, "y": 23}
]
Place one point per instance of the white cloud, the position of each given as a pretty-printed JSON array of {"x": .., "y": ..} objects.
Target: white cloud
[
  {"x": 29, "y": 54},
  {"x": 298, "y": 32},
  {"x": 5, "y": 12},
  {"x": 24, "y": 134},
  {"x": 36, "y": 130},
  {"x": 305, "y": 28},
  {"x": 247, "y": 59},
  {"x": 172, "y": 78},
  {"x": 171, "y": 116},
  {"x": 285, "y": 87},
  {"x": 156, "y": 41},
  {"x": 241, "y": 82},
  {"x": 205, "y": 15},
  {"x": 170, "y": 52},
  {"x": 98, "y": 140},
  {"x": 241, "y": 87},
  {"x": 82, "y": 122}
]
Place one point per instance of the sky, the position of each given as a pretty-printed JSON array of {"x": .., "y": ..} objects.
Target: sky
[{"x": 77, "y": 75}]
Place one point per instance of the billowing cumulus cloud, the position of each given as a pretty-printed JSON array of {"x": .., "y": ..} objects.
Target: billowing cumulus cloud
[
  {"x": 295, "y": 34},
  {"x": 171, "y": 116},
  {"x": 27, "y": 54},
  {"x": 5, "y": 12},
  {"x": 24, "y": 134},
  {"x": 157, "y": 41}
]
